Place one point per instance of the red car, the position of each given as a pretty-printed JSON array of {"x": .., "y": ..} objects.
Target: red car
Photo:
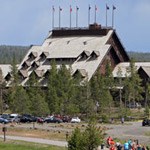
[{"x": 40, "y": 120}]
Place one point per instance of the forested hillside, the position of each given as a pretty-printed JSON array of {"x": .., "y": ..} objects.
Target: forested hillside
[
  {"x": 140, "y": 56},
  {"x": 7, "y": 53}
]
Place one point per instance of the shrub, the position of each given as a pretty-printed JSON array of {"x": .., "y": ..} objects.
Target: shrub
[{"x": 89, "y": 139}]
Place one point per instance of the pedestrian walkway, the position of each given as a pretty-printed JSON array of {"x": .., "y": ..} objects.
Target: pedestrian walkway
[{"x": 36, "y": 140}]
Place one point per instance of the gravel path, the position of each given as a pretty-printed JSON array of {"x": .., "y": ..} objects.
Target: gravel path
[{"x": 37, "y": 140}]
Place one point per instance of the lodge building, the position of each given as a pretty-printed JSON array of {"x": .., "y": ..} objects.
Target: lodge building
[{"x": 85, "y": 50}]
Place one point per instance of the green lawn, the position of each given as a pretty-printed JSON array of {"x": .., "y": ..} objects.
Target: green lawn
[{"x": 17, "y": 145}]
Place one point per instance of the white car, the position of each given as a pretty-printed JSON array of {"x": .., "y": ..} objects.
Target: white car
[{"x": 75, "y": 120}]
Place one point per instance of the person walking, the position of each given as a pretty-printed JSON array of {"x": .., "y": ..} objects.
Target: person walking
[
  {"x": 126, "y": 146},
  {"x": 122, "y": 120}
]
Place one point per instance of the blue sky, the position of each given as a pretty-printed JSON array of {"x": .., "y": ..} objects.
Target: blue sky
[{"x": 26, "y": 22}]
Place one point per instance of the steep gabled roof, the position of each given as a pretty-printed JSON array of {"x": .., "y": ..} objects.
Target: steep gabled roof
[
  {"x": 5, "y": 69},
  {"x": 125, "y": 65},
  {"x": 67, "y": 47},
  {"x": 60, "y": 49}
]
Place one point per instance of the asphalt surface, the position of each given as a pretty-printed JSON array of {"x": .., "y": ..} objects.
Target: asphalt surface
[{"x": 129, "y": 130}]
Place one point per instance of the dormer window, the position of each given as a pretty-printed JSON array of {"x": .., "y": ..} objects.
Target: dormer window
[
  {"x": 36, "y": 64},
  {"x": 80, "y": 73},
  {"x": 8, "y": 77},
  {"x": 84, "y": 55},
  {"x": 26, "y": 64},
  {"x": 44, "y": 55},
  {"x": 32, "y": 55},
  {"x": 95, "y": 54}
]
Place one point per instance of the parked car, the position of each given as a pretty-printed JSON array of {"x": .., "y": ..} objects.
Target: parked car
[
  {"x": 27, "y": 118},
  {"x": 133, "y": 105},
  {"x": 53, "y": 120},
  {"x": 14, "y": 118},
  {"x": 75, "y": 120},
  {"x": 5, "y": 116},
  {"x": 40, "y": 120},
  {"x": 146, "y": 122},
  {"x": 66, "y": 119},
  {"x": 5, "y": 121}
]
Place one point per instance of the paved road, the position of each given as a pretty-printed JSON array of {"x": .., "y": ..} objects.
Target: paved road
[{"x": 132, "y": 130}]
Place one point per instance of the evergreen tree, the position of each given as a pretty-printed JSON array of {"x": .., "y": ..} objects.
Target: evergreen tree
[
  {"x": 75, "y": 141},
  {"x": 13, "y": 90},
  {"x": 89, "y": 139},
  {"x": 19, "y": 101},
  {"x": 64, "y": 88},
  {"x": 52, "y": 97},
  {"x": 132, "y": 87},
  {"x": 38, "y": 105},
  {"x": 93, "y": 137},
  {"x": 119, "y": 84},
  {"x": 109, "y": 85},
  {"x": 86, "y": 103},
  {"x": 2, "y": 86}
]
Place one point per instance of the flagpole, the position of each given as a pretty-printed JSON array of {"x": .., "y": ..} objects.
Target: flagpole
[
  {"x": 53, "y": 17},
  {"x": 106, "y": 15},
  {"x": 112, "y": 17},
  {"x": 77, "y": 16},
  {"x": 59, "y": 17},
  {"x": 113, "y": 9},
  {"x": 89, "y": 15},
  {"x": 95, "y": 13},
  {"x": 70, "y": 15}
]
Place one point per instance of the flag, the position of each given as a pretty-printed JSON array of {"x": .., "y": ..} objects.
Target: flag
[
  {"x": 89, "y": 7},
  {"x": 60, "y": 9},
  {"x": 107, "y": 7},
  {"x": 114, "y": 7},
  {"x": 95, "y": 8},
  {"x": 70, "y": 9},
  {"x": 53, "y": 9}
]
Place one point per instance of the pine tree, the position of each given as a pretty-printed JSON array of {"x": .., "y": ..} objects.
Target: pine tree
[
  {"x": 93, "y": 137},
  {"x": 86, "y": 103},
  {"x": 119, "y": 84},
  {"x": 75, "y": 141},
  {"x": 108, "y": 85},
  {"x": 19, "y": 101},
  {"x": 89, "y": 139},
  {"x": 132, "y": 87},
  {"x": 38, "y": 105},
  {"x": 51, "y": 96},
  {"x": 2, "y": 86},
  {"x": 13, "y": 90}
]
